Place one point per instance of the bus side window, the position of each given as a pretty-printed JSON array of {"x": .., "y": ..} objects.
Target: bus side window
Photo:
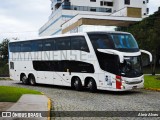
[
  {"x": 25, "y": 46},
  {"x": 12, "y": 47},
  {"x": 37, "y": 45},
  {"x": 49, "y": 45},
  {"x": 62, "y": 43},
  {"x": 11, "y": 65},
  {"x": 17, "y": 47},
  {"x": 79, "y": 43}
]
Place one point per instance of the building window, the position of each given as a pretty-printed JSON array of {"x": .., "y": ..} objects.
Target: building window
[
  {"x": 127, "y": 2},
  {"x": 147, "y": 1},
  {"x": 144, "y": 2},
  {"x": 108, "y": 3},
  {"x": 93, "y": 9},
  {"x": 101, "y": 3},
  {"x": 93, "y": 0},
  {"x": 147, "y": 10}
]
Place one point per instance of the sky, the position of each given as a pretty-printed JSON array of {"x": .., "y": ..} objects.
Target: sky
[{"x": 23, "y": 18}]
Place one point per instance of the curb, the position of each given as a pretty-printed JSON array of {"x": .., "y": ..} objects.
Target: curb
[
  {"x": 49, "y": 104},
  {"x": 49, "y": 108},
  {"x": 153, "y": 89}
]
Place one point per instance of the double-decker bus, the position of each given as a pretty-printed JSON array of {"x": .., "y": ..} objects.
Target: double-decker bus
[{"x": 95, "y": 60}]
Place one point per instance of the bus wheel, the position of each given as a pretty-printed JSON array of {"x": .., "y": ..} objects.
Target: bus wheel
[
  {"x": 24, "y": 79},
  {"x": 32, "y": 80},
  {"x": 77, "y": 84},
  {"x": 92, "y": 85}
]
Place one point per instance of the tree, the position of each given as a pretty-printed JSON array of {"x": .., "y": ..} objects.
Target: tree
[{"x": 4, "y": 49}]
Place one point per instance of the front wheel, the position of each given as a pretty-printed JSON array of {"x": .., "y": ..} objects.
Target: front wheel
[
  {"x": 92, "y": 85},
  {"x": 32, "y": 80},
  {"x": 77, "y": 84}
]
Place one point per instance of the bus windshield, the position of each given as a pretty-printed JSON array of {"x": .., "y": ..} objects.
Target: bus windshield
[
  {"x": 132, "y": 67},
  {"x": 118, "y": 41},
  {"x": 124, "y": 41}
]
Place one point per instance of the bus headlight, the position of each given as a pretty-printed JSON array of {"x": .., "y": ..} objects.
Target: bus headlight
[{"x": 122, "y": 87}]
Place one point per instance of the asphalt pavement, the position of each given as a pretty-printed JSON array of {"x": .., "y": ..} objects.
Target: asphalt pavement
[{"x": 66, "y": 99}]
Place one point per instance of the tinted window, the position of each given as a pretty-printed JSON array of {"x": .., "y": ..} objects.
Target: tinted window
[
  {"x": 127, "y": 2},
  {"x": 101, "y": 41},
  {"x": 62, "y": 66},
  {"x": 124, "y": 41},
  {"x": 25, "y": 46},
  {"x": 37, "y": 45},
  {"x": 79, "y": 43},
  {"x": 12, "y": 47},
  {"x": 62, "y": 43},
  {"x": 48, "y": 45},
  {"x": 108, "y": 62},
  {"x": 77, "y": 66},
  {"x": 17, "y": 47},
  {"x": 11, "y": 65}
]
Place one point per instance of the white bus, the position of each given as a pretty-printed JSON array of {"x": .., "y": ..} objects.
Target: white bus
[{"x": 95, "y": 60}]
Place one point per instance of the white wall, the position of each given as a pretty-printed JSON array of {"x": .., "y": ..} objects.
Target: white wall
[{"x": 118, "y": 5}]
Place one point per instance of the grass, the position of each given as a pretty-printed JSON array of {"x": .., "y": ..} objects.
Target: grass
[
  {"x": 152, "y": 82},
  {"x": 12, "y": 94},
  {"x": 5, "y": 78}
]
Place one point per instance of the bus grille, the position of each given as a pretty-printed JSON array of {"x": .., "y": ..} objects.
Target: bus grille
[{"x": 134, "y": 82}]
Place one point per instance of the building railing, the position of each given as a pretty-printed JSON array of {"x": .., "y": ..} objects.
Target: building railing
[{"x": 86, "y": 8}]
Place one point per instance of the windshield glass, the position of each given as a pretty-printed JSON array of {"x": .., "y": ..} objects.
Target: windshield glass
[
  {"x": 124, "y": 41},
  {"x": 131, "y": 67},
  {"x": 118, "y": 41}
]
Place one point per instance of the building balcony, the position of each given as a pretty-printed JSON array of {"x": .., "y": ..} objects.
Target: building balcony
[{"x": 86, "y": 8}]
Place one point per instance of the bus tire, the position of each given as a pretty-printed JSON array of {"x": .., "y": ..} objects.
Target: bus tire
[
  {"x": 77, "y": 84},
  {"x": 24, "y": 79},
  {"x": 92, "y": 85},
  {"x": 32, "y": 80}
]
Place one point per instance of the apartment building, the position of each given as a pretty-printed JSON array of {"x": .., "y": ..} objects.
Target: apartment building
[{"x": 65, "y": 11}]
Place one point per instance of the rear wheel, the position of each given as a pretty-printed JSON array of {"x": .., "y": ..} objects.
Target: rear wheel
[
  {"x": 32, "y": 80},
  {"x": 24, "y": 79},
  {"x": 77, "y": 84},
  {"x": 92, "y": 85}
]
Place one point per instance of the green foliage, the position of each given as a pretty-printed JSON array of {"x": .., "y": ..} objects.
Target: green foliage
[
  {"x": 4, "y": 49},
  {"x": 147, "y": 34},
  {"x": 4, "y": 68},
  {"x": 12, "y": 94},
  {"x": 152, "y": 82}
]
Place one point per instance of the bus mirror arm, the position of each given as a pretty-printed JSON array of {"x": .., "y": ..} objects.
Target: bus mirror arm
[
  {"x": 146, "y": 52},
  {"x": 114, "y": 52}
]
